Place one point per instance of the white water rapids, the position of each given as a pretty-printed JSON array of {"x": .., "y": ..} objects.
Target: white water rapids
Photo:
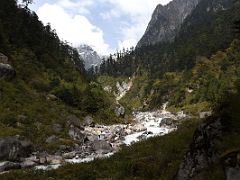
[{"x": 145, "y": 125}]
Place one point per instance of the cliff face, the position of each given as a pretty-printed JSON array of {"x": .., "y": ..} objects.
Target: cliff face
[{"x": 166, "y": 21}]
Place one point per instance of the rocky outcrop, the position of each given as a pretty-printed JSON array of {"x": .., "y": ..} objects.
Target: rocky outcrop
[
  {"x": 14, "y": 148},
  {"x": 88, "y": 121},
  {"x": 6, "y": 166},
  {"x": 202, "y": 152},
  {"x": 74, "y": 121},
  {"x": 6, "y": 71},
  {"x": 167, "y": 122},
  {"x": 231, "y": 163},
  {"x": 102, "y": 147},
  {"x": 120, "y": 111},
  {"x": 166, "y": 22}
]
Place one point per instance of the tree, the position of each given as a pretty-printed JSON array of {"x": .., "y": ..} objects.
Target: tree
[{"x": 27, "y": 2}]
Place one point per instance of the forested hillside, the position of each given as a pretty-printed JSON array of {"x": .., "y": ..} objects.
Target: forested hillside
[
  {"x": 48, "y": 82},
  {"x": 208, "y": 29}
]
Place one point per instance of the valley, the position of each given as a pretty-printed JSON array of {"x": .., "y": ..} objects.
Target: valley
[{"x": 165, "y": 109}]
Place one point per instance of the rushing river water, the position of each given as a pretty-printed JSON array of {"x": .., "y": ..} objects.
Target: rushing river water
[{"x": 145, "y": 125}]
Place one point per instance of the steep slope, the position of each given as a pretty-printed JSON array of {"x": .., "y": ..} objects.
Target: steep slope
[
  {"x": 89, "y": 56},
  {"x": 43, "y": 83},
  {"x": 166, "y": 22}
]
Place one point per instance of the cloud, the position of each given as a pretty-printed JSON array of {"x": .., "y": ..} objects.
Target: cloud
[
  {"x": 122, "y": 22},
  {"x": 80, "y": 6},
  {"x": 76, "y": 28},
  {"x": 127, "y": 44},
  {"x": 139, "y": 13}
]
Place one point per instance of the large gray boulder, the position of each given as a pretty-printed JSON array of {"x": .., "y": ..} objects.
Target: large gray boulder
[
  {"x": 88, "y": 121},
  {"x": 102, "y": 147},
  {"x": 6, "y": 166},
  {"x": 14, "y": 148},
  {"x": 120, "y": 111},
  {"x": 167, "y": 122},
  {"x": 77, "y": 134},
  {"x": 74, "y": 121},
  {"x": 6, "y": 71}
]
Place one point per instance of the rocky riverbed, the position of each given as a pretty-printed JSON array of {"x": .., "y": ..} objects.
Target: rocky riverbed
[{"x": 99, "y": 141}]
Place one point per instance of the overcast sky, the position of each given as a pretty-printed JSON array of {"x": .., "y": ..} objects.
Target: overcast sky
[{"x": 106, "y": 25}]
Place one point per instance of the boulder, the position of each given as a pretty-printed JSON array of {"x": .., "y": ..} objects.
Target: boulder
[
  {"x": 42, "y": 158},
  {"x": 203, "y": 115},
  {"x": 28, "y": 164},
  {"x": 69, "y": 155},
  {"x": 88, "y": 121},
  {"x": 14, "y": 148},
  {"x": 167, "y": 122},
  {"x": 53, "y": 160},
  {"x": 51, "y": 97},
  {"x": 7, "y": 71},
  {"x": 92, "y": 137},
  {"x": 74, "y": 121},
  {"x": 6, "y": 166},
  {"x": 120, "y": 111},
  {"x": 3, "y": 58},
  {"x": 102, "y": 147},
  {"x": 76, "y": 134},
  {"x": 138, "y": 128}
]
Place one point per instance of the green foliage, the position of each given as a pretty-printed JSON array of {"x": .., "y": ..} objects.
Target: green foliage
[{"x": 45, "y": 66}]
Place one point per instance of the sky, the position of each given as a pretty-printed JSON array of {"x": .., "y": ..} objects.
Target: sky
[{"x": 105, "y": 25}]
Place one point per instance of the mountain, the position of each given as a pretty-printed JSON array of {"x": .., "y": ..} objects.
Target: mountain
[
  {"x": 89, "y": 56},
  {"x": 166, "y": 21}
]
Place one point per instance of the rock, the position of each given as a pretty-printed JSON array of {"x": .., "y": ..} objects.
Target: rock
[
  {"x": 120, "y": 111},
  {"x": 167, "y": 122},
  {"x": 74, "y": 121},
  {"x": 102, "y": 147},
  {"x": 203, "y": 115},
  {"x": 51, "y": 97},
  {"x": 13, "y": 148},
  {"x": 6, "y": 166},
  {"x": 42, "y": 158},
  {"x": 69, "y": 155},
  {"x": 7, "y": 71},
  {"x": 88, "y": 121},
  {"x": 57, "y": 127},
  {"x": 28, "y": 164},
  {"x": 231, "y": 163},
  {"x": 53, "y": 160},
  {"x": 51, "y": 139},
  {"x": 92, "y": 138},
  {"x": 3, "y": 58},
  {"x": 76, "y": 134},
  {"x": 166, "y": 22},
  {"x": 202, "y": 152},
  {"x": 138, "y": 128}
]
